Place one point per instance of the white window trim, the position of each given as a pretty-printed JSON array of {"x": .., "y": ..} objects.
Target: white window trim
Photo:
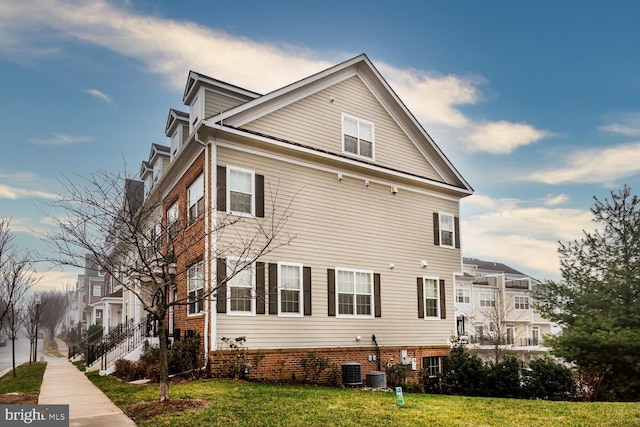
[
  {"x": 516, "y": 303},
  {"x": 373, "y": 138},
  {"x": 492, "y": 298},
  {"x": 201, "y": 303},
  {"x": 441, "y": 229},
  {"x": 95, "y": 288},
  {"x": 300, "y": 312},
  {"x": 373, "y": 296},
  {"x": 424, "y": 296},
  {"x": 199, "y": 179},
  {"x": 253, "y": 192},
  {"x": 231, "y": 262},
  {"x": 466, "y": 293}
]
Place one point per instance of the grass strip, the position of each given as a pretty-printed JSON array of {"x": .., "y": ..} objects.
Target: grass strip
[{"x": 234, "y": 403}]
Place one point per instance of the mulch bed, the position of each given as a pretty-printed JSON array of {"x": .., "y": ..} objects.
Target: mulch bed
[
  {"x": 18, "y": 399},
  {"x": 141, "y": 411}
]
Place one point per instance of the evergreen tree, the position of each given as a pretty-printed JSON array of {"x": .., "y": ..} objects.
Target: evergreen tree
[{"x": 597, "y": 302}]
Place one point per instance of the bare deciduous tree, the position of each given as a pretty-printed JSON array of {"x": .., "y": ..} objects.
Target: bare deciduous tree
[
  {"x": 53, "y": 309},
  {"x": 141, "y": 249},
  {"x": 17, "y": 276}
]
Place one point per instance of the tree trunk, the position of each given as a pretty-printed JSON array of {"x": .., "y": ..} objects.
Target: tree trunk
[
  {"x": 13, "y": 355},
  {"x": 164, "y": 363}
]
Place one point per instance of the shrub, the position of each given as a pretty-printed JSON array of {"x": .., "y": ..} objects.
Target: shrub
[
  {"x": 504, "y": 378},
  {"x": 463, "y": 374},
  {"x": 397, "y": 375},
  {"x": 312, "y": 366},
  {"x": 546, "y": 379}
]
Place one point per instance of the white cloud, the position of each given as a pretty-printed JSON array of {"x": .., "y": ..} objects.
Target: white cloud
[
  {"x": 170, "y": 48},
  {"x": 552, "y": 200},
  {"x": 518, "y": 233},
  {"x": 503, "y": 137},
  {"x": 627, "y": 124},
  {"x": 61, "y": 139},
  {"x": 20, "y": 185},
  {"x": 100, "y": 95},
  {"x": 597, "y": 165},
  {"x": 56, "y": 280}
]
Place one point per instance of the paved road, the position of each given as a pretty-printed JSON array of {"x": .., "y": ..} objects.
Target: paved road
[{"x": 22, "y": 352}]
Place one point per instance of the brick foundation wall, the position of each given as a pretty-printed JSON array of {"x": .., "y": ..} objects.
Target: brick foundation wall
[{"x": 284, "y": 364}]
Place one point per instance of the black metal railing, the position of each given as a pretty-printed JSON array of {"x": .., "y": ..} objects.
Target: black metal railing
[{"x": 124, "y": 343}]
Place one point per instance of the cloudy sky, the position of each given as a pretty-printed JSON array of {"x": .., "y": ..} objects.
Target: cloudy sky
[{"x": 535, "y": 102}]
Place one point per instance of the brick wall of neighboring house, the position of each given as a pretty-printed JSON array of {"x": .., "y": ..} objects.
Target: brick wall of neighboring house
[
  {"x": 189, "y": 243},
  {"x": 284, "y": 364}
]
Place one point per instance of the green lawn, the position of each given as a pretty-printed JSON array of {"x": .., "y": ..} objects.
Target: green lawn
[
  {"x": 250, "y": 404},
  {"x": 27, "y": 381}
]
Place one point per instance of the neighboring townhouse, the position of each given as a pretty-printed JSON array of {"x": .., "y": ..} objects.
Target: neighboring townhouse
[
  {"x": 372, "y": 206},
  {"x": 88, "y": 290},
  {"x": 494, "y": 311}
]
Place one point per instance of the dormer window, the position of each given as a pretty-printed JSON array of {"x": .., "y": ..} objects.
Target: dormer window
[
  {"x": 176, "y": 142},
  {"x": 157, "y": 170},
  {"x": 357, "y": 137},
  {"x": 195, "y": 113}
]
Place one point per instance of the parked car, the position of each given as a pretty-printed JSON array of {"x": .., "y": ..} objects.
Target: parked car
[{"x": 3, "y": 342}]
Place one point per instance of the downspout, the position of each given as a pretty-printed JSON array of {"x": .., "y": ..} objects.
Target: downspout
[
  {"x": 373, "y": 338},
  {"x": 206, "y": 250}
]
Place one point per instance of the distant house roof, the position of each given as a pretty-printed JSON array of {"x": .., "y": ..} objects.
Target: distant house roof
[{"x": 491, "y": 265}]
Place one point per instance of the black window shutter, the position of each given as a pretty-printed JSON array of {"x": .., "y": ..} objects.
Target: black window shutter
[
  {"x": 260, "y": 297},
  {"x": 456, "y": 224},
  {"x": 421, "y": 298},
  {"x": 221, "y": 200},
  {"x": 306, "y": 286},
  {"x": 443, "y": 302},
  {"x": 273, "y": 288},
  {"x": 331, "y": 284},
  {"x": 376, "y": 294},
  {"x": 436, "y": 229},
  {"x": 259, "y": 196},
  {"x": 222, "y": 285}
]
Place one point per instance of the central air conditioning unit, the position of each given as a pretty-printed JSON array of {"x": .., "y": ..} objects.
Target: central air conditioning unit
[{"x": 351, "y": 374}]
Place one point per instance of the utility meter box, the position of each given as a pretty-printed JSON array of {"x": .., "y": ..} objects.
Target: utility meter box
[
  {"x": 414, "y": 364},
  {"x": 404, "y": 359}
]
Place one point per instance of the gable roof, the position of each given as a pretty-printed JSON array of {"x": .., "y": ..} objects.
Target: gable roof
[
  {"x": 173, "y": 118},
  {"x": 194, "y": 80},
  {"x": 361, "y": 66}
]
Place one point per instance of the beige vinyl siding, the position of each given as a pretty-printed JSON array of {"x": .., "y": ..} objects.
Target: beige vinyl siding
[
  {"x": 317, "y": 122},
  {"x": 345, "y": 224},
  {"x": 216, "y": 102}
]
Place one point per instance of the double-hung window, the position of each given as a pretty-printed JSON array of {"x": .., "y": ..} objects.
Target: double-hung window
[
  {"x": 354, "y": 292},
  {"x": 194, "y": 288},
  {"x": 358, "y": 137},
  {"x": 172, "y": 220},
  {"x": 521, "y": 303},
  {"x": 447, "y": 230},
  {"x": 431, "y": 298},
  {"x": 290, "y": 289},
  {"x": 196, "y": 199},
  {"x": 432, "y": 364},
  {"x": 487, "y": 299},
  {"x": 463, "y": 296},
  {"x": 240, "y": 191},
  {"x": 241, "y": 289}
]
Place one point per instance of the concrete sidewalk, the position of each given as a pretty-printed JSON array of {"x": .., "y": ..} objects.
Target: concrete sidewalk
[{"x": 64, "y": 384}]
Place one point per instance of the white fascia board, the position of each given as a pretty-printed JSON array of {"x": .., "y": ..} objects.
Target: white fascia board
[{"x": 344, "y": 160}]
